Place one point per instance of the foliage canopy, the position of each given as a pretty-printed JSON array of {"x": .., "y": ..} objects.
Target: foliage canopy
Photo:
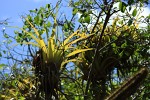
[{"x": 85, "y": 62}]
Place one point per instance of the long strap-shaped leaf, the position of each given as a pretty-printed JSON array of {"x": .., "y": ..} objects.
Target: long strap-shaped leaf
[
  {"x": 80, "y": 39},
  {"x": 68, "y": 39},
  {"x": 67, "y": 61},
  {"x": 51, "y": 48},
  {"x": 51, "y": 41},
  {"x": 39, "y": 40},
  {"x": 77, "y": 51},
  {"x": 67, "y": 45}
]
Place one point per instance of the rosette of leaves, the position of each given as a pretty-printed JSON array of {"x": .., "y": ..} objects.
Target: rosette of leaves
[
  {"x": 52, "y": 57},
  {"x": 117, "y": 48},
  {"x": 53, "y": 54},
  {"x": 119, "y": 43}
]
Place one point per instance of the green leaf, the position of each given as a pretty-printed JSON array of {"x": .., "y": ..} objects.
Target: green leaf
[
  {"x": 121, "y": 54},
  {"x": 75, "y": 11},
  {"x": 25, "y": 26},
  {"x": 122, "y": 7},
  {"x": 32, "y": 11},
  {"x": 113, "y": 44},
  {"x": 48, "y": 24},
  {"x": 87, "y": 19},
  {"x": 130, "y": 22},
  {"x": 6, "y": 36},
  {"x": 42, "y": 16},
  {"x": 48, "y": 6},
  {"x": 134, "y": 12},
  {"x": 141, "y": 4},
  {"x": 65, "y": 27},
  {"x": 2, "y": 65},
  {"x": 6, "y": 75},
  {"x": 124, "y": 45},
  {"x": 13, "y": 83},
  {"x": 29, "y": 18},
  {"x": 36, "y": 19},
  {"x": 80, "y": 20},
  {"x": 41, "y": 21},
  {"x": 77, "y": 3},
  {"x": 120, "y": 22},
  {"x": 114, "y": 37},
  {"x": 21, "y": 98}
]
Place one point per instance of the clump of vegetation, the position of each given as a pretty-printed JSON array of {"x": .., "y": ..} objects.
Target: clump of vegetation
[{"x": 89, "y": 61}]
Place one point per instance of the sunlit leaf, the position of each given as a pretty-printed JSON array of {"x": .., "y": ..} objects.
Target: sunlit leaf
[
  {"x": 79, "y": 39},
  {"x": 67, "y": 61},
  {"x": 2, "y": 65},
  {"x": 78, "y": 51},
  {"x": 75, "y": 10},
  {"x": 87, "y": 19},
  {"x": 68, "y": 38},
  {"x": 48, "y": 6},
  {"x": 134, "y": 12},
  {"x": 36, "y": 19},
  {"x": 32, "y": 43},
  {"x": 122, "y": 7},
  {"x": 39, "y": 40},
  {"x": 48, "y": 24}
]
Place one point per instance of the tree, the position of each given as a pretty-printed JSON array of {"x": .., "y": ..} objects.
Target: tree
[
  {"x": 103, "y": 51},
  {"x": 116, "y": 38}
]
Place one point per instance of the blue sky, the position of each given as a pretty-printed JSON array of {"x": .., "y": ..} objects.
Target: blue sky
[{"x": 13, "y": 9}]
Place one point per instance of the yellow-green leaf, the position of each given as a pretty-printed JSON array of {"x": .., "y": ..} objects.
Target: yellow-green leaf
[
  {"x": 78, "y": 51},
  {"x": 134, "y": 12},
  {"x": 32, "y": 43},
  {"x": 67, "y": 40},
  {"x": 51, "y": 48},
  {"x": 39, "y": 40},
  {"x": 77, "y": 40},
  {"x": 67, "y": 61}
]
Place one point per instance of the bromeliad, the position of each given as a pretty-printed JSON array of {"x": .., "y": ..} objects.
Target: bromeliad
[{"x": 52, "y": 57}]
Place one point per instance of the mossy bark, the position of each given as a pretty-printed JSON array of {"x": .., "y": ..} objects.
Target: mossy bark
[{"x": 130, "y": 86}]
